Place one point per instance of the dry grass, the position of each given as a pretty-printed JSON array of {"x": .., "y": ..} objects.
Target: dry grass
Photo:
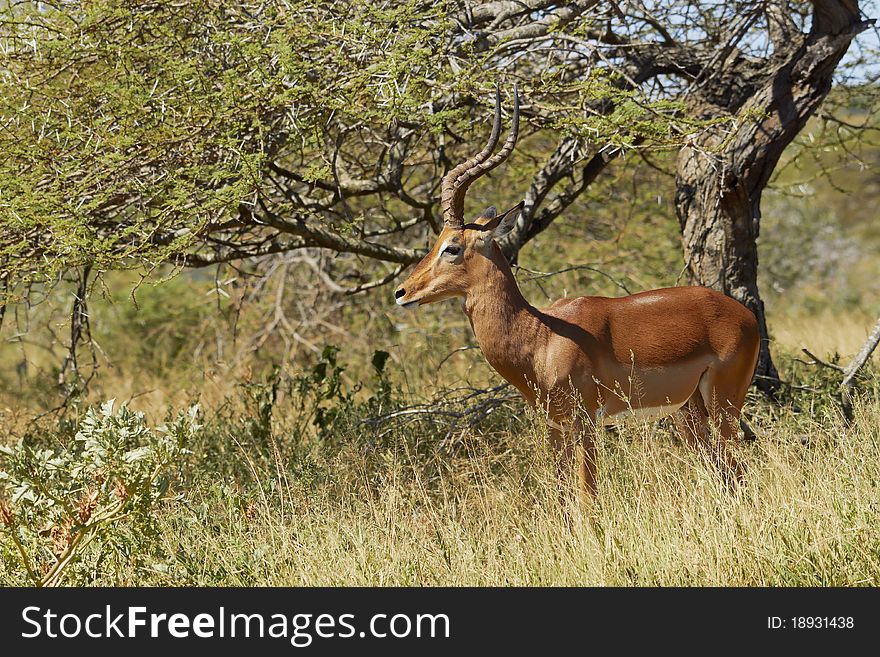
[
  {"x": 809, "y": 515},
  {"x": 826, "y": 332}
]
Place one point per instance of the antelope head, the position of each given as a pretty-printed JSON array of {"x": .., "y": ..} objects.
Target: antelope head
[{"x": 447, "y": 269}]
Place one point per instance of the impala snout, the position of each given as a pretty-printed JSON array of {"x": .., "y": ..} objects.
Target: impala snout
[{"x": 400, "y": 297}]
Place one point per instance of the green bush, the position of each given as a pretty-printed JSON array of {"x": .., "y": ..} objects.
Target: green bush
[{"x": 99, "y": 491}]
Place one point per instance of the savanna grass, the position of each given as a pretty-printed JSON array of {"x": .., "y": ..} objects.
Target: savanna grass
[{"x": 486, "y": 510}]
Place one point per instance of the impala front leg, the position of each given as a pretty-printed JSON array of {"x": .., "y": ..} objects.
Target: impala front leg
[
  {"x": 584, "y": 438},
  {"x": 575, "y": 450}
]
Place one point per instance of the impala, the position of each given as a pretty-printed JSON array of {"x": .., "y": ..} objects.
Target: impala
[{"x": 590, "y": 361}]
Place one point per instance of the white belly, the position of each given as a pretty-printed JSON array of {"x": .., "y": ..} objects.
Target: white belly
[{"x": 646, "y": 413}]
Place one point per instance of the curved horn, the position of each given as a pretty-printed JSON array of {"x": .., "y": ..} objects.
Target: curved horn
[
  {"x": 484, "y": 167},
  {"x": 456, "y": 182}
]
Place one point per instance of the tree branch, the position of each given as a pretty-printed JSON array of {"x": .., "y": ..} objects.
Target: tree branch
[
  {"x": 849, "y": 374},
  {"x": 315, "y": 235}
]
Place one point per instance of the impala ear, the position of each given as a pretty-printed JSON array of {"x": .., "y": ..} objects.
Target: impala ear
[
  {"x": 502, "y": 224},
  {"x": 486, "y": 217}
]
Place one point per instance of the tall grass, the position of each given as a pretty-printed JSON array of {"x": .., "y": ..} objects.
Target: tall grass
[
  {"x": 356, "y": 504},
  {"x": 809, "y": 514}
]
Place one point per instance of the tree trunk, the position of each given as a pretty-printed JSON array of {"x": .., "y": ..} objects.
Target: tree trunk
[
  {"x": 720, "y": 176},
  {"x": 719, "y": 229}
]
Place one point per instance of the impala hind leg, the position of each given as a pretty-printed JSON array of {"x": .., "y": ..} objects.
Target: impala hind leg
[
  {"x": 691, "y": 422},
  {"x": 695, "y": 422}
]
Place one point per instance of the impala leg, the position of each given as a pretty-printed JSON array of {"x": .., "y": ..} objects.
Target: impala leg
[
  {"x": 693, "y": 423},
  {"x": 575, "y": 451},
  {"x": 563, "y": 450},
  {"x": 725, "y": 404},
  {"x": 585, "y": 456}
]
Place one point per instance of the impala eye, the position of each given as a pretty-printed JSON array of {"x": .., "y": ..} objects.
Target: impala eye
[{"x": 452, "y": 249}]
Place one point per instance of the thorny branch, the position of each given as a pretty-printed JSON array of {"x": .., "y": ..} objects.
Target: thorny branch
[
  {"x": 856, "y": 364},
  {"x": 367, "y": 186},
  {"x": 451, "y": 411},
  {"x": 850, "y": 372}
]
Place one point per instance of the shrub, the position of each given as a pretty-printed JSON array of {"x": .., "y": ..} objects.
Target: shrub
[{"x": 102, "y": 489}]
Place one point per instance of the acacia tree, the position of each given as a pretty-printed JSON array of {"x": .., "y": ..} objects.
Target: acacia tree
[
  {"x": 202, "y": 133},
  {"x": 721, "y": 174}
]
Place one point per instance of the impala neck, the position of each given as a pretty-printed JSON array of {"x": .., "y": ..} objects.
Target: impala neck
[{"x": 504, "y": 323}]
